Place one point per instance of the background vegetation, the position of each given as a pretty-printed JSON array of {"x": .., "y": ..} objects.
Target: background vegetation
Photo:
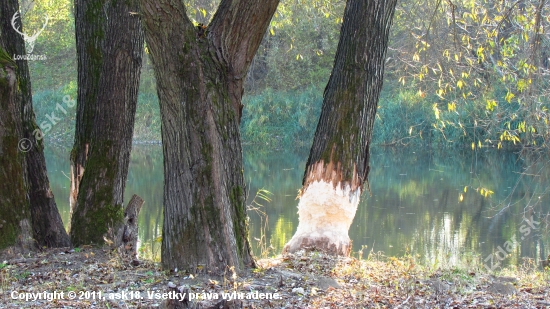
[{"x": 468, "y": 73}]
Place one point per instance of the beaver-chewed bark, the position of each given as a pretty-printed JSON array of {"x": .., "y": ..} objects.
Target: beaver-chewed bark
[{"x": 338, "y": 163}]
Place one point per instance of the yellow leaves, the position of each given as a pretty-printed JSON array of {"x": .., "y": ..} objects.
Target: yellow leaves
[
  {"x": 447, "y": 55},
  {"x": 203, "y": 11},
  {"x": 299, "y": 57},
  {"x": 460, "y": 197},
  {"x": 485, "y": 192},
  {"x": 479, "y": 145},
  {"x": 416, "y": 57},
  {"x": 491, "y": 104},
  {"x": 480, "y": 54},
  {"x": 272, "y": 31},
  {"x": 451, "y": 107},
  {"x": 465, "y": 189},
  {"x": 460, "y": 84},
  {"x": 522, "y": 84},
  {"x": 509, "y": 136},
  {"x": 521, "y": 127},
  {"x": 402, "y": 80},
  {"x": 509, "y": 97}
]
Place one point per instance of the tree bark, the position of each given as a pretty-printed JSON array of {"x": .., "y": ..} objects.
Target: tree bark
[
  {"x": 109, "y": 41},
  {"x": 337, "y": 167},
  {"x": 126, "y": 235},
  {"x": 47, "y": 226},
  {"x": 200, "y": 74}
]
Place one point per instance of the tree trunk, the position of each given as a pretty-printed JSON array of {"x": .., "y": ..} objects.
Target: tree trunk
[
  {"x": 109, "y": 43},
  {"x": 200, "y": 74},
  {"x": 14, "y": 206},
  {"x": 338, "y": 167},
  {"x": 47, "y": 227}
]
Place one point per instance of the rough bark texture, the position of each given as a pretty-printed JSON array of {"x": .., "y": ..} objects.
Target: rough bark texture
[
  {"x": 127, "y": 233},
  {"x": 109, "y": 43},
  {"x": 47, "y": 227},
  {"x": 200, "y": 76},
  {"x": 14, "y": 206},
  {"x": 340, "y": 151}
]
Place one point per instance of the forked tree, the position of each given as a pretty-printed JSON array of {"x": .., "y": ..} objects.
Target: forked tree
[
  {"x": 338, "y": 163},
  {"x": 27, "y": 205},
  {"x": 109, "y": 44},
  {"x": 200, "y": 72}
]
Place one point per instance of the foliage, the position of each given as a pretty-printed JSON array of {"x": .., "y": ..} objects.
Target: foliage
[
  {"x": 458, "y": 73},
  {"x": 56, "y": 42},
  {"x": 491, "y": 54},
  {"x": 299, "y": 48},
  {"x": 281, "y": 119}
]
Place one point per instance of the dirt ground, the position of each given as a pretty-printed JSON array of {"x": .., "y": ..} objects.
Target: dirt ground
[{"x": 95, "y": 278}]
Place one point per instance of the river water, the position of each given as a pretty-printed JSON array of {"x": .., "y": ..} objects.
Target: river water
[{"x": 432, "y": 205}]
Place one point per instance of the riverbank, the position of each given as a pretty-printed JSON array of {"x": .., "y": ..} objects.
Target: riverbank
[{"x": 303, "y": 280}]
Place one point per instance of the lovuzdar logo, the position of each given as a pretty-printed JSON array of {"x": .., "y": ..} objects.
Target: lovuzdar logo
[{"x": 29, "y": 39}]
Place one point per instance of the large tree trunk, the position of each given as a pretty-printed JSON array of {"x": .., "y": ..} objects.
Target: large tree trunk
[
  {"x": 47, "y": 227},
  {"x": 14, "y": 206},
  {"x": 200, "y": 74},
  {"x": 338, "y": 163},
  {"x": 109, "y": 43}
]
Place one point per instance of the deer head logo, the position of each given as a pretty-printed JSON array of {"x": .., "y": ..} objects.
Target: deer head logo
[{"x": 29, "y": 40}]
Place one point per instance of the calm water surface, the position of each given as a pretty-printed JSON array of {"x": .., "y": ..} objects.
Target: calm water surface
[{"x": 423, "y": 203}]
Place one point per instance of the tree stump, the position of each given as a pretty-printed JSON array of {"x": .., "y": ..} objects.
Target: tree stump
[{"x": 127, "y": 233}]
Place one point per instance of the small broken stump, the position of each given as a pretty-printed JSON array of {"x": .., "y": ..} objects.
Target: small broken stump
[{"x": 125, "y": 241}]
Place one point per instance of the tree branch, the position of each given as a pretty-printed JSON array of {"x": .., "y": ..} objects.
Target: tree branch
[{"x": 237, "y": 30}]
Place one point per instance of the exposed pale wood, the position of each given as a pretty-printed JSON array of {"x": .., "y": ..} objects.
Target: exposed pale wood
[{"x": 339, "y": 155}]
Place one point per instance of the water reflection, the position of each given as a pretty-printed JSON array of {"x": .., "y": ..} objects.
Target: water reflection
[{"x": 415, "y": 206}]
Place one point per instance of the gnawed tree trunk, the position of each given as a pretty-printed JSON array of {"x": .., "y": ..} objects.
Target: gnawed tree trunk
[
  {"x": 338, "y": 163},
  {"x": 109, "y": 43},
  {"x": 45, "y": 224},
  {"x": 200, "y": 74}
]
